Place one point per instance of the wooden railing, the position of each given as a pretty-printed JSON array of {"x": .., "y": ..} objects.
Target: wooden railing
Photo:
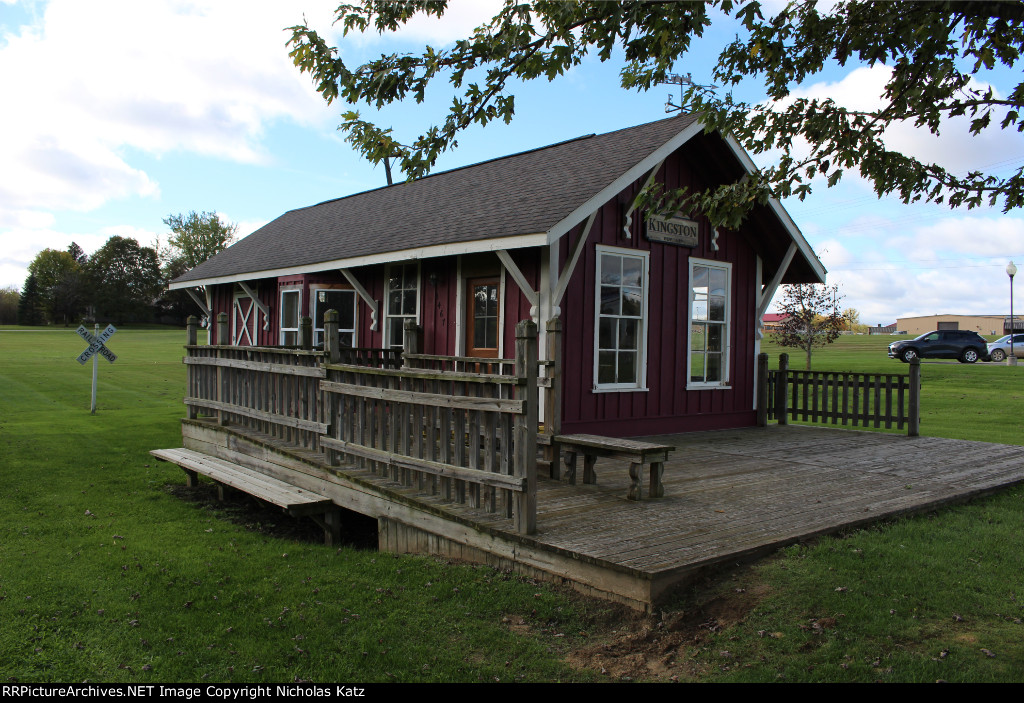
[
  {"x": 468, "y": 438},
  {"x": 267, "y": 390},
  {"x": 839, "y": 398}
]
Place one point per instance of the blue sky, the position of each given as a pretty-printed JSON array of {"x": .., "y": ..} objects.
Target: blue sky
[{"x": 120, "y": 113}]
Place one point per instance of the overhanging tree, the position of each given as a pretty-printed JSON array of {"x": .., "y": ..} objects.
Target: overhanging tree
[
  {"x": 935, "y": 51},
  {"x": 811, "y": 317}
]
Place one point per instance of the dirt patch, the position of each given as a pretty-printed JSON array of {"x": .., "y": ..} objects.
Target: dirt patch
[{"x": 662, "y": 647}]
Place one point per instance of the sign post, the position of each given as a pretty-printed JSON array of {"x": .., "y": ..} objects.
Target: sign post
[{"x": 96, "y": 349}]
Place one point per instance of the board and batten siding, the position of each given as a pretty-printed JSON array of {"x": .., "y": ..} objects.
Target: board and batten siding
[{"x": 665, "y": 406}]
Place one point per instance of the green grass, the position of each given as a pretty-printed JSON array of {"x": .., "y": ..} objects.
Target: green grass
[
  {"x": 111, "y": 571},
  {"x": 982, "y": 401}
]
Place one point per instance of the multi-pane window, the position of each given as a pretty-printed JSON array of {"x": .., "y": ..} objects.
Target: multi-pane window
[
  {"x": 709, "y": 322},
  {"x": 621, "y": 317},
  {"x": 402, "y": 298},
  {"x": 342, "y": 300},
  {"x": 482, "y": 317},
  {"x": 290, "y": 317}
]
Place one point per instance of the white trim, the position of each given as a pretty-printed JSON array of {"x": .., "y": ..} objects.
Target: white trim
[
  {"x": 259, "y": 303},
  {"x": 460, "y": 302},
  {"x": 628, "y": 218},
  {"x": 202, "y": 306},
  {"x": 765, "y": 295},
  {"x": 616, "y": 186},
  {"x": 254, "y": 310},
  {"x": 521, "y": 241},
  {"x": 315, "y": 288},
  {"x": 574, "y": 257},
  {"x": 519, "y": 278},
  {"x": 367, "y": 298},
  {"x": 642, "y": 332},
  {"x": 758, "y": 332},
  {"x": 726, "y": 325}
]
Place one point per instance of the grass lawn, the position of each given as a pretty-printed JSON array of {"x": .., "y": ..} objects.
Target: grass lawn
[{"x": 110, "y": 570}]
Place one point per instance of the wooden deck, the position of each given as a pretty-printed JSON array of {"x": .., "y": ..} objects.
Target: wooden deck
[{"x": 729, "y": 495}]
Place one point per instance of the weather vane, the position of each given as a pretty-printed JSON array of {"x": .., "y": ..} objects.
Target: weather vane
[{"x": 680, "y": 80}]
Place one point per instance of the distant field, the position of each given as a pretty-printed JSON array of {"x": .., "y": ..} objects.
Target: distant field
[
  {"x": 982, "y": 401},
  {"x": 110, "y": 570}
]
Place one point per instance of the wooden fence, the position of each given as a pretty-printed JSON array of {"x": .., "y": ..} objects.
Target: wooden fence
[
  {"x": 467, "y": 437},
  {"x": 839, "y": 398}
]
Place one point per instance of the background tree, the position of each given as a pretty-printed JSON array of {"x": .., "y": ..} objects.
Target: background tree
[
  {"x": 30, "y": 304},
  {"x": 58, "y": 284},
  {"x": 77, "y": 254},
  {"x": 9, "y": 298},
  {"x": 812, "y": 317},
  {"x": 124, "y": 278},
  {"x": 935, "y": 51},
  {"x": 193, "y": 239}
]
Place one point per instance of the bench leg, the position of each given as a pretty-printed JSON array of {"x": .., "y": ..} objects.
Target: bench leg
[
  {"x": 553, "y": 460},
  {"x": 332, "y": 528},
  {"x": 191, "y": 478},
  {"x": 635, "y": 470},
  {"x": 589, "y": 475},
  {"x": 570, "y": 467},
  {"x": 656, "y": 489}
]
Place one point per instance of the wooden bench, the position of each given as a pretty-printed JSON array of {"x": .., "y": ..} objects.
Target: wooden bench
[
  {"x": 637, "y": 453},
  {"x": 295, "y": 501}
]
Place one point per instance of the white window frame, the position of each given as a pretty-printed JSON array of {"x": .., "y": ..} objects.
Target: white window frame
[
  {"x": 726, "y": 325},
  {"x": 641, "y": 382},
  {"x": 318, "y": 332},
  {"x": 389, "y": 317},
  {"x": 297, "y": 291}
]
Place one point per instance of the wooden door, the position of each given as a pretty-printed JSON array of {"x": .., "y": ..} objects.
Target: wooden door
[{"x": 482, "y": 317}]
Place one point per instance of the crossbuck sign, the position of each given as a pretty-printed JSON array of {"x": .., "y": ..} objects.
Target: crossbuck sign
[{"x": 97, "y": 348}]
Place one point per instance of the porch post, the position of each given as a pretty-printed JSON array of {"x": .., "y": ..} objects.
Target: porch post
[
  {"x": 762, "y": 390},
  {"x": 222, "y": 329},
  {"x": 305, "y": 333},
  {"x": 191, "y": 337},
  {"x": 332, "y": 348},
  {"x": 412, "y": 339},
  {"x": 553, "y": 396},
  {"x": 782, "y": 391},
  {"x": 914, "y": 411},
  {"x": 525, "y": 448}
]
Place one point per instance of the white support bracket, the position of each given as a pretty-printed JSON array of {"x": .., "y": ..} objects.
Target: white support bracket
[
  {"x": 574, "y": 257},
  {"x": 520, "y": 279},
  {"x": 627, "y": 219},
  {"x": 764, "y": 297},
  {"x": 367, "y": 298},
  {"x": 201, "y": 303},
  {"x": 258, "y": 303}
]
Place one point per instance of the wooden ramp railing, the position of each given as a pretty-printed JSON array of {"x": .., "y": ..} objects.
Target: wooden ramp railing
[{"x": 468, "y": 438}]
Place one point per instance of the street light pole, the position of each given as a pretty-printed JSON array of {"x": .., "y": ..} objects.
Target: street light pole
[{"x": 1011, "y": 271}]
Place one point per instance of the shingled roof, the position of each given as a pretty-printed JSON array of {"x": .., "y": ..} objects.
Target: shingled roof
[{"x": 525, "y": 199}]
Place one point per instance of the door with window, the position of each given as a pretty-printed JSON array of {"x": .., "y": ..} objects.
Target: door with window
[{"x": 482, "y": 327}]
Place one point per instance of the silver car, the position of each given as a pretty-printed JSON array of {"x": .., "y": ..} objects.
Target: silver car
[{"x": 1000, "y": 349}]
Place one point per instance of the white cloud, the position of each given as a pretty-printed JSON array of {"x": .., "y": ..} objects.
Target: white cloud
[{"x": 92, "y": 80}]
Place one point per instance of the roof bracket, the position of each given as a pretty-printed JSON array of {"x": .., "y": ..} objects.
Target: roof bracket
[
  {"x": 370, "y": 302},
  {"x": 258, "y": 303},
  {"x": 201, "y": 303},
  {"x": 520, "y": 279},
  {"x": 764, "y": 296},
  {"x": 570, "y": 266}
]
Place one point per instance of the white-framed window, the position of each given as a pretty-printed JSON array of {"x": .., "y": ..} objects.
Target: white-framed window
[
  {"x": 290, "y": 316},
  {"x": 344, "y": 301},
  {"x": 401, "y": 301},
  {"x": 620, "y": 336},
  {"x": 709, "y": 313}
]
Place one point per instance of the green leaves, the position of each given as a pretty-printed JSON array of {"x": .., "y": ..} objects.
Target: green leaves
[{"x": 935, "y": 52}]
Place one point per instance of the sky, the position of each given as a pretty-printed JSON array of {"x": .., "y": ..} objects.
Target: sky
[{"x": 120, "y": 113}]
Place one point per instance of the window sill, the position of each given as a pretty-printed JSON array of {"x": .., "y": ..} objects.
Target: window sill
[
  {"x": 708, "y": 387},
  {"x": 600, "y": 389}
]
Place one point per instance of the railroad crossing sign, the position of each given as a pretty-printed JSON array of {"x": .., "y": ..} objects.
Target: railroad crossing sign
[
  {"x": 96, "y": 344},
  {"x": 97, "y": 348}
]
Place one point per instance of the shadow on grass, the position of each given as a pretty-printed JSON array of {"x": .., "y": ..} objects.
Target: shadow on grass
[{"x": 357, "y": 530}]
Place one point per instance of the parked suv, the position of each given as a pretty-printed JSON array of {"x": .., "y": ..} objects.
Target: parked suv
[
  {"x": 1000, "y": 349},
  {"x": 963, "y": 345}
]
